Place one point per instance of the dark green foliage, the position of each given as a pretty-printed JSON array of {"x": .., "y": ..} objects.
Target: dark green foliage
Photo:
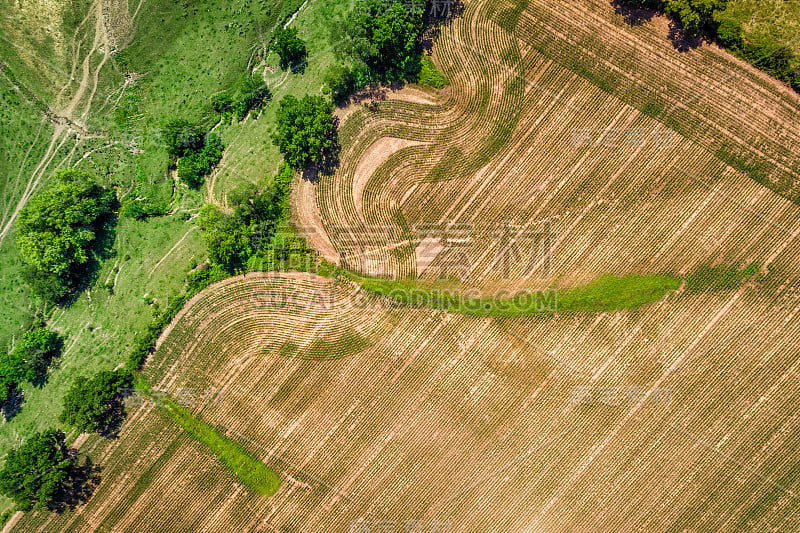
[
  {"x": 252, "y": 95},
  {"x": 221, "y": 102},
  {"x": 342, "y": 81},
  {"x": 181, "y": 136},
  {"x": 379, "y": 41},
  {"x": 196, "y": 165},
  {"x": 89, "y": 404},
  {"x": 57, "y": 228},
  {"x": 249, "y": 230},
  {"x": 729, "y": 32},
  {"x": 305, "y": 129},
  {"x": 696, "y": 16},
  {"x": 28, "y": 360},
  {"x": 227, "y": 240},
  {"x": 388, "y": 38},
  {"x": 37, "y": 473},
  {"x": 45, "y": 285},
  {"x": 290, "y": 47}
]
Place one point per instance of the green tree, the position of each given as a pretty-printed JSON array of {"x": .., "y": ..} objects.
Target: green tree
[
  {"x": 181, "y": 137},
  {"x": 90, "y": 405},
  {"x": 196, "y": 165},
  {"x": 227, "y": 239},
  {"x": 696, "y": 16},
  {"x": 36, "y": 473},
  {"x": 305, "y": 129},
  {"x": 392, "y": 32},
  {"x": 35, "y": 351},
  {"x": 290, "y": 47},
  {"x": 57, "y": 228},
  {"x": 341, "y": 80}
]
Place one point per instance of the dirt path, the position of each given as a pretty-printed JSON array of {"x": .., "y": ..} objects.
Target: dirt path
[
  {"x": 171, "y": 250},
  {"x": 63, "y": 128},
  {"x": 306, "y": 213}
]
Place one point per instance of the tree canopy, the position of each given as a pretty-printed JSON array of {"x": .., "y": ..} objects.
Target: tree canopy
[
  {"x": 194, "y": 166},
  {"x": 290, "y": 47},
  {"x": 28, "y": 360},
  {"x": 250, "y": 230},
  {"x": 181, "y": 137},
  {"x": 696, "y": 16},
  {"x": 89, "y": 404},
  {"x": 36, "y": 473},
  {"x": 56, "y": 229},
  {"x": 305, "y": 129}
]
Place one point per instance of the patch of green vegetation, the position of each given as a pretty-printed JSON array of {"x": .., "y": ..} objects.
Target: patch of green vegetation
[
  {"x": 429, "y": 75},
  {"x": 607, "y": 293},
  {"x": 252, "y": 472},
  {"x": 720, "y": 278},
  {"x": 447, "y": 167},
  {"x": 509, "y": 17},
  {"x": 612, "y": 293},
  {"x": 350, "y": 343},
  {"x": 756, "y": 169},
  {"x": 595, "y": 74}
]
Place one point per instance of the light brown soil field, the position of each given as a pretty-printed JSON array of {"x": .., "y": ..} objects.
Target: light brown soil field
[
  {"x": 606, "y": 131},
  {"x": 421, "y": 415},
  {"x": 678, "y": 416}
]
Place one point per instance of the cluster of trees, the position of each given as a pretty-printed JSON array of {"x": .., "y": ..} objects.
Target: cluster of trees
[
  {"x": 29, "y": 360},
  {"x": 251, "y": 229},
  {"x": 95, "y": 405},
  {"x": 305, "y": 131},
  {"x": 196, "y": 153},
  {"x": 715, "y": 20},
  {"x": 379, "y": 41},
  {"x": 56, "y": 231},
  {"x": 38, "y": 472},
  {"x": 251, "y": 95}
]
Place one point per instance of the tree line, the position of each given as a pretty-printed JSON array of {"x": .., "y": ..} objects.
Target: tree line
[{"x": 715, "y": 20}]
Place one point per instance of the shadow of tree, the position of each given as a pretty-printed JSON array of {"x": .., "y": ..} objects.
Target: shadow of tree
[
  {"x": 682, "y": 40},
  {"x": 113, "y": 419},
  {"x": 79, "y": 487},
  {"x": 13, "y": 405},
  {"x": 635, "y": 15}
]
